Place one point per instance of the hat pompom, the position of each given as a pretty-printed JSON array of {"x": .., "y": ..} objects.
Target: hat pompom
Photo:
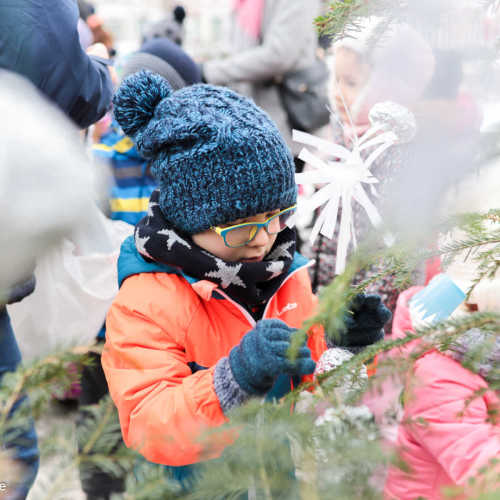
[
  {"x": 179, "y": 14},
  {"x": 136, "y": 100}
]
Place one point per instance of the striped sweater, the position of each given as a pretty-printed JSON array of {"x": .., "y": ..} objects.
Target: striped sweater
[{"x": 133, "y": 182}]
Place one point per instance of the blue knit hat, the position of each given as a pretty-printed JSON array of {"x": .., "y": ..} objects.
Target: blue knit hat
[{"x": 216, "y": 156}]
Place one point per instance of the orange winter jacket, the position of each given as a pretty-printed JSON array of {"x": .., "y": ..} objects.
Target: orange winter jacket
[{"x": 162, "y": 330}]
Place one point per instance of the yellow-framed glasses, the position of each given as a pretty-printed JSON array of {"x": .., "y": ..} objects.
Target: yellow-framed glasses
[{"x": 240, "y": 235}]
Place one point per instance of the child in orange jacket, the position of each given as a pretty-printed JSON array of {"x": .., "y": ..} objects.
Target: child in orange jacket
[{"x": 212, "y": 289}]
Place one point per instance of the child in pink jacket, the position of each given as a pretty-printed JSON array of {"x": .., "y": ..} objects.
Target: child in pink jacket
[{"x": 456, "y": 440}]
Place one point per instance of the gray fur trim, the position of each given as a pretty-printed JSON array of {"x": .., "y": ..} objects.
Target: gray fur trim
[{"x": 228, "y": 391}]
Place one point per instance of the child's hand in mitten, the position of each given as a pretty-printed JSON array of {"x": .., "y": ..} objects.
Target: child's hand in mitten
[
  {"x": 262, "y": 355},
  {"x": 364, "y": 322}
]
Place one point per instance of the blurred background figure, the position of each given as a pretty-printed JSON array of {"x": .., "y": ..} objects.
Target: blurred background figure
[
  {"x": 96, "y": 26},
  {"x": 172, "y": 27},
  {"x": 85, "y": 34},
  {"x": 100, "y": 33},
  {"x": 269, "y": 38},
  {"x": 455, "y": 440},
  {"x": 86, "y": 9},
  {"x": 368, "y": 67},
  {"x": 133, "y": 183},
  {"x": 50, "y": 55}
]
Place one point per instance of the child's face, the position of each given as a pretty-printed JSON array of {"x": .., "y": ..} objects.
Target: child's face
[
  {"x": 351, "y": 75},
  {"x": 254, "y": 251}
]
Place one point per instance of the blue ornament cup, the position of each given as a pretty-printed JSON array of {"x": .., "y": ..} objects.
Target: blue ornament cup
[{"x": 436, "y": 302}]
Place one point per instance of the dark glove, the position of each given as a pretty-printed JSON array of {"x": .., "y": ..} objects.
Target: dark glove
[
  {"x": 262, "y": 355},
  {"x": 364, "y": 322}
]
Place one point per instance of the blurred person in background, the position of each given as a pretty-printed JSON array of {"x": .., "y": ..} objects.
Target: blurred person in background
[
  {"x": 86, "y": 9},
  {"x": 48, "y": 53},
  {"x": 100, "y": 33},
  {"x": 23, "y": 440},
  {"x": 92, "y": 31},
  {"x": 172, "y": 27},
  {"x": 89, "y": 36},
  {"x": 445, "y": 148},
  {"x": 129, "y": 198},
  {"x": 269, "y": 39},
  {"x": 396, "y": 66},
  {"x": 133, "y": 182},
  {"x": 449, "y": 433}
]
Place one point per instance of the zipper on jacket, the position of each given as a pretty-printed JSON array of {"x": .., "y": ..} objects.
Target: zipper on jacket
[
  {"x": 245, "y": 313},
  {"x": 305, "y": 266}
]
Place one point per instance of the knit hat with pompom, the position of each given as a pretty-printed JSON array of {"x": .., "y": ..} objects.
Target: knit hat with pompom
[{"x": 216, "y": 156}]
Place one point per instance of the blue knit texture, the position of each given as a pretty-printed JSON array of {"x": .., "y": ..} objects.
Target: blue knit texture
[
  {"x": 229, "y": 392},
  {"x": 363, "y": 323},
  {"x": 262, "y": 355},
  {"x": 137, "y": 98},
  {"x": 216, "y": 156}
]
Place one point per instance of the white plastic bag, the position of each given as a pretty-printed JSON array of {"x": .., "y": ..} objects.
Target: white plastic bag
[{"x": 76, "y": 283}]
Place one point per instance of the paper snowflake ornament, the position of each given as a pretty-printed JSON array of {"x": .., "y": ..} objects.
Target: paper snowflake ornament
[{"x": 345, "y": 180}]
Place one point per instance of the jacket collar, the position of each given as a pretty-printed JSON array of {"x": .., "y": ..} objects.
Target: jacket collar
[{"x": 131, "y": 262}]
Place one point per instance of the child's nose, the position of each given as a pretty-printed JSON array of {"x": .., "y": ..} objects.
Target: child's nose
[
  {"x": 338, "y": 95},
  {"x": 261, "y": 238}
]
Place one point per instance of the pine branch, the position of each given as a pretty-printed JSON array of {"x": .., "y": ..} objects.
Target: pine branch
[
  {"x": 150, "y": 482},
  {"x": 110, "y": 410},
  {"x": 438, "y": 335},
  {"x": 40, "y": 379},
  {"x": 100, "y": 440},
  {"x": 342, "y": 16},
  {"x": 473, "y": 242}
]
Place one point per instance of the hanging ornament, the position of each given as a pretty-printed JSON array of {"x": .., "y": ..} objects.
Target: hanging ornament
[{"x": 347, "y": 178}]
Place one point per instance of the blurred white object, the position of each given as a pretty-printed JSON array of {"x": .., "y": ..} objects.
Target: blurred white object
[
  {"x": 343, "y": 180},
  {"x": 478, "y": 192},
  {"x": 46, "y": 182},
  {"x": 76, "y": 284},
  {"x": 401, "y": 63}
]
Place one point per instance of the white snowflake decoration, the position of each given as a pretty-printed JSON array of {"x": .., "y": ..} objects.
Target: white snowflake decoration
[{"x": 344, "y": 180}]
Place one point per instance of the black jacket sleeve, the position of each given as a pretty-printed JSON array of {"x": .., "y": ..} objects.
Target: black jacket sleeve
[{"x": 40, "y": 41}]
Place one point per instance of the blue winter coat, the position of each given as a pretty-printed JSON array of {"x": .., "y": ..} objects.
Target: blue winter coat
[
  {"x": 39, "y": 39},
  {"x": 133, "y": 182}
]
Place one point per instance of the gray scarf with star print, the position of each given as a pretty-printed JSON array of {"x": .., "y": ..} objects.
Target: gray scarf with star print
[{"x": 249, "y": 283}]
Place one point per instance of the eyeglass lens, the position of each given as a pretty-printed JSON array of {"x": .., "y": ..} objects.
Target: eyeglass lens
[{"x": 239, "y": 236}]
